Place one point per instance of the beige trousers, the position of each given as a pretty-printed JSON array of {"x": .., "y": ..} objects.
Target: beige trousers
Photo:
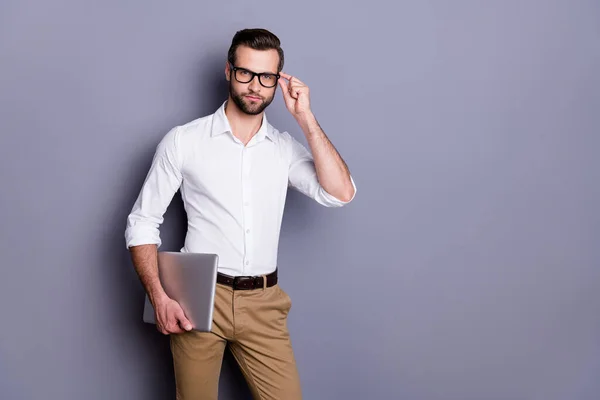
[{"x": 254, "y": 323}]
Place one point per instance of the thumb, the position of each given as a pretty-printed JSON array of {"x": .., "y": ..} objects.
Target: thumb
[
  {"x": 183, "y": 321},
  {"x": 284, "y": 90},
  {"x": 283, "y": 84}
]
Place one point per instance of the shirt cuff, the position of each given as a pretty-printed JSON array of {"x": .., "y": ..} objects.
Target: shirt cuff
[
  {"x": 329, "y": 200},
  {"x": 138, "y": 235}
]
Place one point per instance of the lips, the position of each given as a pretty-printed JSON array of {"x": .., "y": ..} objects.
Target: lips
[{"x": 254, "y": 98}]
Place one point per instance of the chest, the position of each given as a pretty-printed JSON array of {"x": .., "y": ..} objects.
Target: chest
[{"x": 225, "y": 169}]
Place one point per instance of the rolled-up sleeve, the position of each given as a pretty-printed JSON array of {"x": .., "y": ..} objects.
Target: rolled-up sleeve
[
  {"x": 303, "y": 177},
  {"x": 162, "y": 182}
]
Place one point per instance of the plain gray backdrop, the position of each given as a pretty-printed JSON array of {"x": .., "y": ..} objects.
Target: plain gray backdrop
[{"x": 467, "y": 268}]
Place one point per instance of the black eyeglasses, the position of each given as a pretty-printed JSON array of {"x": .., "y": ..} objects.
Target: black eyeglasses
[{"x": 243, "y": 75}]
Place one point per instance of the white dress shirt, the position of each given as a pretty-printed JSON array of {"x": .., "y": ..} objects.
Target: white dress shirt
[{"x": 234, "y": 195}]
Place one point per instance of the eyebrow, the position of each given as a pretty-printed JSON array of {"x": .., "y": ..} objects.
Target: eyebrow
[{"x": 248, "y": 69}]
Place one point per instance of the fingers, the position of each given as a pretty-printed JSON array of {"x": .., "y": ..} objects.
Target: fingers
[
  {"x": 293, "y": 82},
  {"x": 293, "y": 90},
  {"x": 286, "y": 76},
  {"x": 295, "y": 93},
  {"x": 285, "y": 90},
  {"x": 172, "y": 319},
  {"x": 284, "y": 87},
  {"x": 183, "y": 321},
  {"x": 172, "y": 329},
  {"x": 169, "y": 328},
  {"x": 299, "y": 90},
  {"x": 292, "y": 79}
]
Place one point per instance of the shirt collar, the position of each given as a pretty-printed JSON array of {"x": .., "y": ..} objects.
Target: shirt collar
[{"x": 221, "y": 125}]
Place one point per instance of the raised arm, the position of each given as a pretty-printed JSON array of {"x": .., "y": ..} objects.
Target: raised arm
[{"x": 332, "y": 173}]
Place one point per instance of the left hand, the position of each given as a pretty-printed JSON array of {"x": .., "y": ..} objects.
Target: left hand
[{"x": 295, "y": 94}]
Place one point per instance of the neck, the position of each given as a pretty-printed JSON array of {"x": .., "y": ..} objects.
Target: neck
[{"x": 244, "y": 126}]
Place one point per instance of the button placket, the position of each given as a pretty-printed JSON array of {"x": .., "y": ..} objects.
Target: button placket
[{"x": 247, "y": 212}]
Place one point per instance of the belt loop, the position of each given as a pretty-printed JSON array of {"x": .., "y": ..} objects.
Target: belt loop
[{"x": 264, "y": 282}]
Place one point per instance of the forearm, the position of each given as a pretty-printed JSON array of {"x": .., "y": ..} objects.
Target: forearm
[
  {"x": 332, "y": 171},
  {"x": 145, "y": 262}
]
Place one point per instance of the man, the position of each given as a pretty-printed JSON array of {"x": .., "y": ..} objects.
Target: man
[{"x": 233, "y": 169}]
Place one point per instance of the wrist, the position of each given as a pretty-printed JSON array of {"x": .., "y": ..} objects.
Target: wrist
[
  {"x": 306, "y": 120},
  {"x": 158, "y": 296}
]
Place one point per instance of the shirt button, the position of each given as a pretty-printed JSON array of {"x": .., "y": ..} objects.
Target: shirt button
[
  {"x": 247, "y": 262},
  {"x": 246, "y": 204},
  {"x": 247, "y": 230}
]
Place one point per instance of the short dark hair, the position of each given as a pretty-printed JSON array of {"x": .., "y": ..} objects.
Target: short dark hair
[{"x": 257, "y": 39}]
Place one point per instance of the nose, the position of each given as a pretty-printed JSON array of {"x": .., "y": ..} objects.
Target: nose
[{"x": 254, "y": 84}]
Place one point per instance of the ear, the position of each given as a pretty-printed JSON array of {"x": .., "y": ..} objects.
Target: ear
[{"x": 227, "y": 70}]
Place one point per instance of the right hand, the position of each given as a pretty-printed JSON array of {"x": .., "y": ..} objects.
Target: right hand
[{"x": 170, "y": 317}]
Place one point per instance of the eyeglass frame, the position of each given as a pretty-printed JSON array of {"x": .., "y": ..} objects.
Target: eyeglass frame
[{"x": 234, "y": 69}]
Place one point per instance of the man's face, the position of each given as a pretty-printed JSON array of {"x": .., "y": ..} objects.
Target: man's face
[{"x": 252, "y": 98}]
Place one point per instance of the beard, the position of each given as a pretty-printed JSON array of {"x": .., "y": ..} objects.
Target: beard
[{"x": 247, "y": 106}]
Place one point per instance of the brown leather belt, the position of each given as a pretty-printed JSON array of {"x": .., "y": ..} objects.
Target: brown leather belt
[{"x": 247, "y": 282}]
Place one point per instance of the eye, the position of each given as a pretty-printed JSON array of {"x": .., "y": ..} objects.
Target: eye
[
  {"x": 244, "y": 72},
  {"x": 268, "y": 77}
]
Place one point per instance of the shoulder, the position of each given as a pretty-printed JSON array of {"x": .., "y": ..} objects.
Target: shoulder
[
  {"x": 178, "y": 141},
  {"x": 184, "y": 135},
  {"x": 284, "y": 139},
  {"x": 194, "y": 130},
  {"x": 289, "y": 143}
]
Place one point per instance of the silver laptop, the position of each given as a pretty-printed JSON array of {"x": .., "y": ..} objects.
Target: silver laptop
[{"x": 190, "y": 279}]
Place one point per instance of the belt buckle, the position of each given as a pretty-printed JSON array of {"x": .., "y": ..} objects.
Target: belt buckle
[
  {"x": 236, "y": 279},
  {"x": 256, "y": 282},
  {"x": 254, "y": 279}
]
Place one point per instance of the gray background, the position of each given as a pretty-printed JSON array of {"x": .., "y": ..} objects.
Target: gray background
[{"x": 466, "y": 268}]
